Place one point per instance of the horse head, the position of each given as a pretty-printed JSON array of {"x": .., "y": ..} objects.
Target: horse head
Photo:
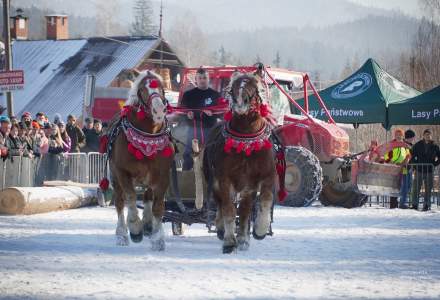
[
  {"x": 147, "y": 94},
  {"x": 246, "y": 94}
]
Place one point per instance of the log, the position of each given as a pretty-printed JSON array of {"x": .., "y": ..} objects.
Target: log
[
  {"x": 34, "y": 200},
  {"x": 57, "y": 183}
]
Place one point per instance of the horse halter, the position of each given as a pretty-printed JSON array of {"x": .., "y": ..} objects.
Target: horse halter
[{"x": 153, "y": 88}]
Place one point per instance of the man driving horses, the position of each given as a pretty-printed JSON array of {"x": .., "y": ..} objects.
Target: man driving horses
[{"x": 200, "y": 99}]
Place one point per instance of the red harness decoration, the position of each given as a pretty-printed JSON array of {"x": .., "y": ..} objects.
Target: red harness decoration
[
  {"x": 142, "y": 144},
  {"x": 246, "y": 143}
]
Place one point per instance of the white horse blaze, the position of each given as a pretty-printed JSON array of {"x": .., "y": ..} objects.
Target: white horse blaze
[{"x": 158, "y": 110}]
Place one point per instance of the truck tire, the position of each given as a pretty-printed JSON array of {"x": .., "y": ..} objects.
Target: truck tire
[
  {"x": 340, "y": 195},
  {"x": 303, "y": 177}
]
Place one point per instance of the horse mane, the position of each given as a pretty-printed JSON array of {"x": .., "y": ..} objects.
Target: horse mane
[{"x": 133, "y": 93}]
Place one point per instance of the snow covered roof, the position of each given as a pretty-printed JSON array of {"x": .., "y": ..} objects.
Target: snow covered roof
[{"x": 55, "y": 70}]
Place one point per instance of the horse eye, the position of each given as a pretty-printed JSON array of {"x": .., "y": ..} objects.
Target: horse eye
[
  {"x": 154, "y": 110},
  {"x": 164, "y": 110}
]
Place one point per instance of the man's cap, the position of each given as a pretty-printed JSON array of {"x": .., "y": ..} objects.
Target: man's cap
[
  {"x": 26, "y": 114},
  {"x": 409, "y": 134}
]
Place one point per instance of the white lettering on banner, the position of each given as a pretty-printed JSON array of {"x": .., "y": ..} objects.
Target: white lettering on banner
[
  {"x": 338, "y": 113},
  {"x": 425, "y": 114}
]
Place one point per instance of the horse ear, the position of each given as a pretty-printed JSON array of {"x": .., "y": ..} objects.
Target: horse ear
[{"x": 136, "y": 72}]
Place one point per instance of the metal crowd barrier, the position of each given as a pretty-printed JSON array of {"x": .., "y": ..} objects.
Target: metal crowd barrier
[
  {"x": 420, "y": 176},
  {"x": 78, "y": 167},
  {"x": 97, "y": 166}
]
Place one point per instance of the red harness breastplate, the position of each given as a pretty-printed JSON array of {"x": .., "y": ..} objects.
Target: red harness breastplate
[
  {"x": 246, "y": 143},
  {"x": 142, "y": 144}
]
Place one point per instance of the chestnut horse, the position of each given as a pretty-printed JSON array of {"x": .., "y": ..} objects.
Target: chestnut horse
[
  {"x": 141, "y": 154},
  {"x": 239, "y": 160}
]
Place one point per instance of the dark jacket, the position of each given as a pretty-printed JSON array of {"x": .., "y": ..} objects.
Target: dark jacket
[
  {"x": 423, "y": 153},
  {"x": 92, "y": 141},
  {"x": 76, "y": 136},
  {"x": 15, "y": 145}
]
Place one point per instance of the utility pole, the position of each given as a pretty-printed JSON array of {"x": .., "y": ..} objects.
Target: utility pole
[
  {"x": 160, "y": 36},
  {"x": 8, "y": 54},
  {"x": 160, "y": 22}
]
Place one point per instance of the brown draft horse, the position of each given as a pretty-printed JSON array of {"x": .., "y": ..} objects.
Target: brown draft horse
[
  {"x": 141, "y": 154},
  {"x": 240, "y": 161}
]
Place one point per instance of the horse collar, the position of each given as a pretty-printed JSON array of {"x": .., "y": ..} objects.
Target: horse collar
[
  {"x": 142, "y": 144},
  {"x": 246, "y": 143}
]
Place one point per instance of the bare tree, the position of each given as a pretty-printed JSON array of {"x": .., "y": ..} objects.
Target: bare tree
[
  {"x": 105, "y": 24},
  {"x": 189, "y": 40}
]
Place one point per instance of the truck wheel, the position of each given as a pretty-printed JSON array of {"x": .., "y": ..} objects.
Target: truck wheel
[
  {"x": 177, "y": 228},
  {"x": 342, "y": 195},
  {"x": 303, "y": 177}
]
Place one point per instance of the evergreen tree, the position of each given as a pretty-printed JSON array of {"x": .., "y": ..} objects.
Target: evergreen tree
[{"x": 143, "y": 18}]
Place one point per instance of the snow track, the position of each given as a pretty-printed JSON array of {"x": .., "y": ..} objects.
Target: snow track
[{"x": 316, "y": 252}]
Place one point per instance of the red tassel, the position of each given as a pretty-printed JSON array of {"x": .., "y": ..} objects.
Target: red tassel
[
  {"x": 282, "y": 194},
  {"x": 104, "y": 184},
  {"x": 167, "y": 152},
  {"x": 103, "y": 143},
  {"x": 280, "y": 169},
  {"x": 256, "y": 146},
  {"x": 131, "y": 148},
  {"x": 138, "y": 154},
  {"x": 228, "y": 145},
  {"x": 248, "y": 151},
  {"x": 125, "y": 111},
  {"x": 267, "y": 145},
  {"x": 223, "y": 101},
  {"x": 141, "y": 114},
  {"x": 264, "y": 110},
  {"x": 280, "y": 155},
  {"x": 240, "y": 147},
  {"x": 169, "y": 109},
  {"x": 228, "y": 116},
  {"x": 154, "y": 84}
]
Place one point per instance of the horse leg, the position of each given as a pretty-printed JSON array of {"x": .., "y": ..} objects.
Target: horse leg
[
  {"x": 147, "y": 218},
  {"x": 244, "y": 212},
  {"x": 262, "y": 221},
  {"x": 158, "y": 208},
  {"x": 135, "y": 224},
  {"x": 121, "y": 227},
  {"x": 219, "y": 223},
  {"x": 228, "y": 212}
]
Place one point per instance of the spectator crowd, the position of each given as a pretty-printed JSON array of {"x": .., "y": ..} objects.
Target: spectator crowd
[{"x": 34, "y": 137}]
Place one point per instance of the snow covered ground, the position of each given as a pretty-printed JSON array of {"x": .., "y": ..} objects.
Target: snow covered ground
[{"x": 316, "y": 252}]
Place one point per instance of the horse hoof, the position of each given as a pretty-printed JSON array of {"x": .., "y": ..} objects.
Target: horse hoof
[
  {"x": 227, "y": 249},
  {"x": 148, "y": 229},
  {"x": 158, "y": 245},
  {"x": 258, "y": 237},
  {"x": 243, "y": 245},
  {"x": 221, "y": 234},
  {"x": 136, "y": 238},
  {"x": 122, "y": 240}
]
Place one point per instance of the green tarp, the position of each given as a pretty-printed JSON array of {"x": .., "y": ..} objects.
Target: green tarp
[
  {"x": 361, "y": 98},
  {"x": 420, "y": 110}
]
